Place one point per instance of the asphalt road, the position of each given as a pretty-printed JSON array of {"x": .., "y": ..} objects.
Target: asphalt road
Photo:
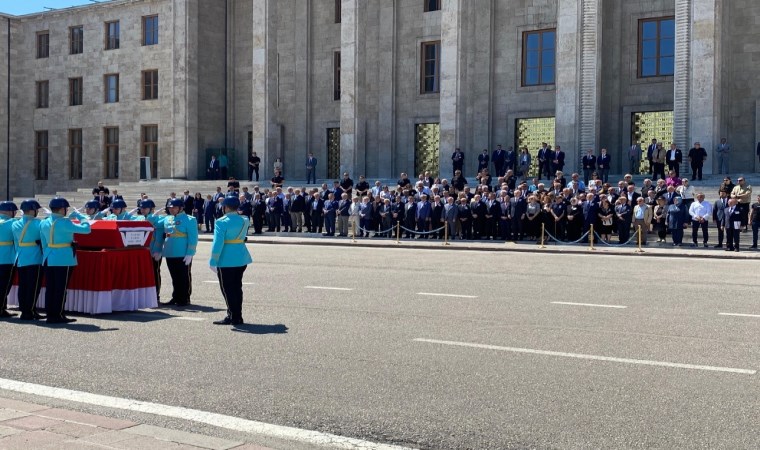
[{"x": 383, "y": 360}]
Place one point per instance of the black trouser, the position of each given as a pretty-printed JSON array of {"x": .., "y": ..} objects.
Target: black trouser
[
  {"x": 182, "y": 280},
  {"x": 518, "y": 232},
  {"x": 210, "y": 219},
  {"x": 755, "y": 229},
  {"x": 695, "y": 226},
  {"x": 624, "y": 230},
  {"x": 720, "y": 232},
  {"x": 732, "y": 238},
  {"x": 466, "y": 226},
  {"x": 675, "y": 167},
  {"x": 659, "y": 169},
  {"x": 29, "y": 285},
  {"x": 744, "y": 208},
  {"x": 157, "y": 276},
  {"x": 231, "y": 284},
  {"x": 696, "y": 171},
  {"x": 6, "y": 281},
  {"x": 258, "y": 223},
  {"x": 56, "y": 281}
]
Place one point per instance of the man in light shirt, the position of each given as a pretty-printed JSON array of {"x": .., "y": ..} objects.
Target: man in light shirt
[
  {"x": 700, "y": 212},
  {"x": 642, "y": 217}
]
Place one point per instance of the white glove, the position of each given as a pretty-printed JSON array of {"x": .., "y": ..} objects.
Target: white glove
[
  {"x": 212, "y": 268},
  {"x": 157, "y": 256},
  {"x": 188, "y": 260}
]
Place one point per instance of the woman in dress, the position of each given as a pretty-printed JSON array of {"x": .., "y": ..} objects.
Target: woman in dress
[
  {"x": 198, "y": 204},
  {"x": 531, "y": 223},
  {"x": 659, "y": 216},
  {"x": 574, "y": 220},
  {"x": 605, "y": 218}
]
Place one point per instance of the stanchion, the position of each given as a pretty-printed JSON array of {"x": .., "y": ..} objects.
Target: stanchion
[
  {"x": 446, "y": 233},
  {"x": 543, "y": 232},
  {"x": 353, "y": 228},
  {"x": 639, "y": 250},
  {"x": 398, "y": 232},
  {"x": 591, "y": 238}
]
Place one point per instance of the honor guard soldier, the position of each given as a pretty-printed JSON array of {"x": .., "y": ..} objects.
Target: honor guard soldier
[
  {"x": 147, "y": 211},
  {"x": 92, "y": 210},
  {"x": 59, "y": 256},
  {"x": 179, "y": 248},
  {"x": 26, "y": 234},
  {"x": 230, "y": 258},
  {"x": 7, "y": 254},
  {"x": 118, "y": 211}
]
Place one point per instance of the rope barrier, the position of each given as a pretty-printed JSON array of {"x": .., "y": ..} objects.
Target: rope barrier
[
  {"x": 422, "y": 232},
  {"x": 599, "y": 238},
  {"x": 561, "y": 242},
  {"x": 377, "y": 232}
]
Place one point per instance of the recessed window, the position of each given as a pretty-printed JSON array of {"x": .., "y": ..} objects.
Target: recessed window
[
  {"x": 112, "y": 35},
  {"x": 150, "y": 84},
  {"x": 111, "y": 152},
  {"x": 75, "y": 154},
  {"x": 336, "y": 76},
  {"x": 111, "y": 82},
  {"x": 657, "y": 47},
  {"x": 538, "y": 65},
  {"x": 41, "y": 155},
  {"x": 149, "y": 146},
  {"x": 337, "y": 11},
  {"x": 75, "y": 91},
  {"x": 430, "y": 73},
  {"x": 43, "y": 44},
  {"x": 76, "y": 40},
  {"x": 43, "y": 93},
  {"x": 432, "y": 5},
  {"x": 150, "y": 30}
]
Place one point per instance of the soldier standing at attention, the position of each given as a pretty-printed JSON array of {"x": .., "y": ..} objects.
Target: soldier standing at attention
[
  {"x": 92, "y": 210},
  {"x": 7, "y": 254},
  {"x": 179, "y": 249},
  {"x": 147, "y": 209},
  {"x": 58, "y": 255},
  {"x": 230, "y": 258},
  {"x": 26, "y": 234}
]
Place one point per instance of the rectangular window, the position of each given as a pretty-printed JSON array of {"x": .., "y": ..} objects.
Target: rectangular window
[
  {"x": 657, "y": 47},
  {"x": 41, "y": 155},
  {"x": 76, "y": 40},
  {"x": 75, "y": 154},
  {"x": 149, "y": 146},
  {"x": 111, "y": 82},
  {"x": 111, "y": 152},
  {"x": 538, "y": 65},
  {"x": 150, "y": 85},
  {"x": 336, "y": 76},
  {"x": 75, "y": 91},
  {"x": 150, "y": 30},
  {"x": 431, "y": 67},
  {"x": 432, "y": 5},
  {"x": 43, "y": 44},
  {"x": 337, "y": 11},
  {"x": 43, "y": 93},
  {"x": 112, "y": 35}
]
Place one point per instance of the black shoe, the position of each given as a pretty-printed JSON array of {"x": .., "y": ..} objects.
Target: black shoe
[
  {"x": 753, "y": 246},
  {"x": 238, "y": 322},
  {"x": 61, "y": 320},
  {"x": 705, "y": 244},
  {"x": 26, "y": 317},
  {"x": 6, "y": 314},
  {"x": 171, "y": 302},
  {"x": 736, "y": 249},
  {"x": 718, "y": 246},
  {"x": 225, "y": 321},
  {"x": 729, "y": 249},
  {"x": 38, "y": 316}
]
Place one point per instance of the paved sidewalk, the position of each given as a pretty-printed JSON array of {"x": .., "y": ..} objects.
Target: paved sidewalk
[{"x": 26, "y": 426}]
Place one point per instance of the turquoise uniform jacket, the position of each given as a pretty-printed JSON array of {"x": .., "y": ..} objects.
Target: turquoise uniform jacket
[
  {"x": 159, "y": 234},
  {"x": 57, "y": 234},
  {"x": 181, "y": 236},
  {"x": 7, "y": 246},
  {"x": 122, "y": 216},
  {"x": 229, "y": 249},
  {"x": 26, "y": 233}
]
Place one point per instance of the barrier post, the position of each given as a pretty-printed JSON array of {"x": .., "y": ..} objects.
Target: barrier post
[
  {"x": 398, "y": 232},
  {"x": 446, "y": 233},
  {"x": 639, "y": 250},
  {"x": 353, "y": 229},
  {"x": 543, "y": 232},
  {"x": 591, "y": 238}
]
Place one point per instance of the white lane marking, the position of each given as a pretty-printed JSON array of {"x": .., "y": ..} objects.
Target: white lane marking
[
  {"x": 593, "y": 305},
  {"x": 739, "y": 315},
  {"x": 192, "y": 319},
  {"x": 217, "y": 282},
  {"x": 447, "y": 295},
  {"x": 328, "y": 288},
  {"x": 591, "y": 357},
  {"x": 214, "y": 419}
]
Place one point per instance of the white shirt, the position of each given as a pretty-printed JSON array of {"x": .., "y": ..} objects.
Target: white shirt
[{"x": 700, "y": 210}]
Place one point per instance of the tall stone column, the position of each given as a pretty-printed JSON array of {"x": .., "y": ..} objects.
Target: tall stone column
[
  {"x": 697, "y": 94},
  {"x": 302, "y": 110},
  {"x": 451, "y": 79},
  {"x": 351, "y": 120},
  {"x": 386, "y": 136},
  {"x": 264, "y": 102},
  {"x": 579, "y": 28}
]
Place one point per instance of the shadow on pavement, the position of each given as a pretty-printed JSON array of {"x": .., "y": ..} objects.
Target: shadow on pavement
[
  {"x": 135, "y": 316},
  {"x": 79, "y": 327},
  {"x": 252, "y": 328},
  {"x": 191, "y": 307}
]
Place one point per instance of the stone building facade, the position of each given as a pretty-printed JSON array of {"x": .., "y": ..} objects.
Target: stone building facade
[{"x": 380, "y": 87}]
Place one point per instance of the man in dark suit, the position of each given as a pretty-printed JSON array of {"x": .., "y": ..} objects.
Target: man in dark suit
[
  {"x": 590, "y": 208},
  {"x": 559, "y": 159},
  {"x": 397, "y": 214},
  {"x": 674, "y": 159},
  {"x": 483, "y": 160},
  {"x": 589, "y": 165},
  {"x": 450, "y": 216},
  {"x": 510, "y": 158},
  {"x": 116, "y": 196},
  {"x": 603, "y": 165},
  {"x": 189, "y": 203},
  {"x": 423, "y": 216},
  {"x": 518, "y": 205},
  {"x": 457, "y": 160},
  {"x": 212, "y": 171},
  {"x": 492, "y": 216},
  {"x": 410, "y": 216},
  {"x": 316, "y": 207},
  {"x": 436, "y": 217},
  {"x": 733, "y": 216},
  {"x": 719, "y": 216},
  {"x": 329, "y": 211},
  {"x": 104, "y": 200},
  {"x": 311, "y": 167},
  {"x": 697, "y": 157},
  {"x": 259, "y": 214},
  {"x": 632, "y": 195},
  {"x": 497, "y": 158},
  {"x": 544, "y": 161}
]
